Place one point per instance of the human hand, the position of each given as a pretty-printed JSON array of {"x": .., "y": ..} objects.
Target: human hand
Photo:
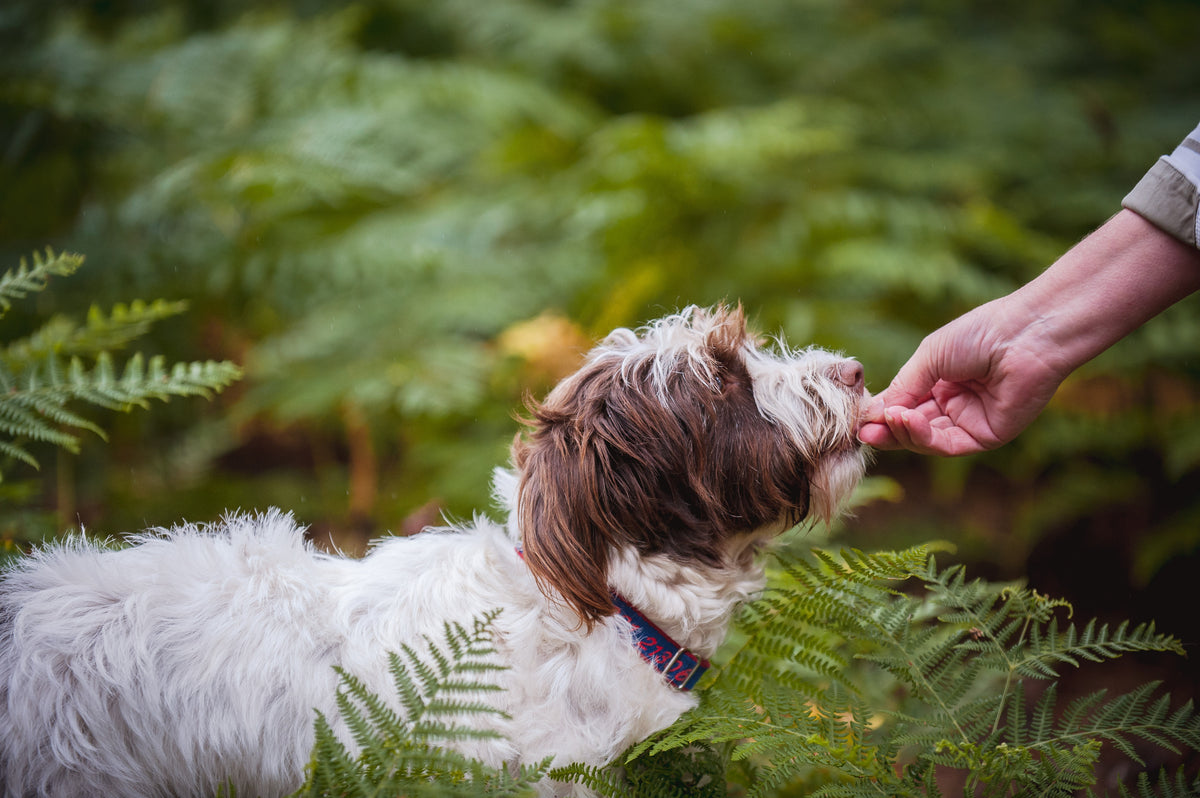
[
  {"x": 971, "y": 386},
  {"x": 976, "y": 383}
]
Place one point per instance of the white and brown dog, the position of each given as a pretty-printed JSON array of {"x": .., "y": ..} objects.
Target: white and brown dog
[{"x": 640, "y": 495}]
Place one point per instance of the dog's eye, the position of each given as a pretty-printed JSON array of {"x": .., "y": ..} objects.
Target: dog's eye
[{"x": 718, "y": 383}]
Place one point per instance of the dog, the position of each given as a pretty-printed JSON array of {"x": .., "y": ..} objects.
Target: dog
[{"x": 636, "y": 504}]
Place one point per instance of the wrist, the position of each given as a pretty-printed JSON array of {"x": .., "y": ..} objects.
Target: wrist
[{"x": 1041, "y": 332}]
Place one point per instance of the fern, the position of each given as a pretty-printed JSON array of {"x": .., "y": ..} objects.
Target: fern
[
  {"x": 376, "y": 216},
  {"x": 934, "y": 680},
  {"x": 28, "y": 279},
  {"x": 64, "y": 337},
  {"x": 694, "y": 771},
  {"x": 403, "y": 747},
  {"x": 935, "y": 672},
  {"x": 1164, "y": 786},
  {"x": 43, "y": 373}
]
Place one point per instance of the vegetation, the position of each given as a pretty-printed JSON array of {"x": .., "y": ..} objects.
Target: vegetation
[
  {"x": 404, "y": 753},
  {"x": 64, "y": 363},
  {"x": 848, "y": 687},
  {"x": 398, "y": 216},
  {"x": 38, "y": 380},
  {"x": 849, "y": 680}
]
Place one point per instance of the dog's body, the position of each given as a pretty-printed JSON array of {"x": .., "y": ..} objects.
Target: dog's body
[
  {"x": 200, "y": 655},
  {"x": 196, "y": 657}
]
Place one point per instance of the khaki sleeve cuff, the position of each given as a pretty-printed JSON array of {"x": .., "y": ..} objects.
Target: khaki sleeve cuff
[{"x": 1168, "y": 200}]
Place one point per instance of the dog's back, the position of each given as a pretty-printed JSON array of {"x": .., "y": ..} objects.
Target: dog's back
[
  {"x": 197, "y": 657},
  {"x": 146, "y": 670}
]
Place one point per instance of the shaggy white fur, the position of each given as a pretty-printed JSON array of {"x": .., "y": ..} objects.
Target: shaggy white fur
[{"x": 197, "y": 656}]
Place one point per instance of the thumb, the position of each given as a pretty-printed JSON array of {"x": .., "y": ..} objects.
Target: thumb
[{"x": 912, "y": 385}]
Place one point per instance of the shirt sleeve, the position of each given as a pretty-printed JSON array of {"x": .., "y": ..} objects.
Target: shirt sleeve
[{"x": 1169, "y": 195}]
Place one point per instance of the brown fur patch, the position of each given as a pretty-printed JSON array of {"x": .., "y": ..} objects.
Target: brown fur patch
[{"x": 606, "y": 463}]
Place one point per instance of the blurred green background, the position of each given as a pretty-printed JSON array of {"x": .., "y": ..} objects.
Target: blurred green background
[{"x": 400, "y": 217}]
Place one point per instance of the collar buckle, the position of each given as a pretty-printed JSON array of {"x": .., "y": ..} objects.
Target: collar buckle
[{"x": 680, "y": 683}]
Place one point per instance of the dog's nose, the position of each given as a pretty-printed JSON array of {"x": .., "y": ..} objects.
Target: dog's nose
[{"x": 850, "y": 374}]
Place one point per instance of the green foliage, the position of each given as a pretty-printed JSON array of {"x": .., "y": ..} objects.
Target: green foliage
[
  {"x": 25, "y": 280},
  {"x": 401, "y": 750},
  {"x": 877, "y": 674},
  {"x": 63, "y": 363},
  {"x": 857, "y": 675},
  {"x": 1165, "y": 786},
  {"x": 368, "y": 196},
  {"x": 363, "y": 202}
]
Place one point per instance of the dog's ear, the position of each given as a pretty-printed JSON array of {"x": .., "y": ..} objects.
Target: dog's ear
[
  {"x": 606, "y": 465},
  {"x": 566, "y": 537},
  {"x": 726, "y": 329},
  {"x": 655, "y": 444}
]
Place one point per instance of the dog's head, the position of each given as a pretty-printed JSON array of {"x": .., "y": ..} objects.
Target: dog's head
[{"x": 681, "y": 439}]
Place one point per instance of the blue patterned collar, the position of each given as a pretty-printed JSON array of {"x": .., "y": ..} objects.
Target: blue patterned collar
[{"x": 680, "y": 666}]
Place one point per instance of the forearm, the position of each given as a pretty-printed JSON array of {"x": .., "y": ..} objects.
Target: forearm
[
  {"x": 1109, "y": 284},
  {"x": 977, "y": 382}
]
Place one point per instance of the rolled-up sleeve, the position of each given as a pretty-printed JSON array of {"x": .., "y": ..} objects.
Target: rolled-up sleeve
[{"x": 1169, "y": 194}]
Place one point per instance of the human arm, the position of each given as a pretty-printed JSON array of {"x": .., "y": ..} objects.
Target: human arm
[{"x": 976, "y": 383}]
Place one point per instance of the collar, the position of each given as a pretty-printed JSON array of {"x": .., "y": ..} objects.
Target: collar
[{"x": 680, "y": 666}]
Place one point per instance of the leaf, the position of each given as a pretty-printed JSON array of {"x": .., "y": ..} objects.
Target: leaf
[
  {"x": 28, "y": 279},
  {"x": 406, "y": 741}
]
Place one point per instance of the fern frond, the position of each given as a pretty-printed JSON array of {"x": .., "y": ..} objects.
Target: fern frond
[
  {"x": 121, "y": 324},
  {"x": 403, "y": 739},
  {"x": 1127, "y": 717},
  {"x": 1001, "y": 769},
  {"x": 26, "y": 279},
  {"x": 331, "y": 770},
  {"x": 63, "y": 337},
  {"x": 840, "y": 672},
  {"x": 783, "y": 734},
  {"x": 14, "y": 451},
  {"x": 604, "y": 781},
  {"x": 34, "y": 405},
  {"x": 138, "y": 382},
  {"x": 1094, "y": 644},
  {"x": 28, "y": 415},
  {"x": 41, "y": 375},
  {"x": 1042, "y": 719},
  {"x": 1165, "y": 785}
]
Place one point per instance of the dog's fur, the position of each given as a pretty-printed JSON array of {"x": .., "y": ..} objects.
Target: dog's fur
[{"x": 197, "y": 656}]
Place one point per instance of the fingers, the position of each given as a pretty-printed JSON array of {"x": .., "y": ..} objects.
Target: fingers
[
  {"x": 884, "y": 424},
  {"x": 873, "y": 430},
  {"x": 877, "y": 435},
  {"x": 909, "y": 428},
  {"x": 897, "y": 428},
  {"x": 876, "y": 429},
  {"x": 903, "y": 428},
  {"x": 911, "y": 386},
  {"x": 909, "y": 389}
]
